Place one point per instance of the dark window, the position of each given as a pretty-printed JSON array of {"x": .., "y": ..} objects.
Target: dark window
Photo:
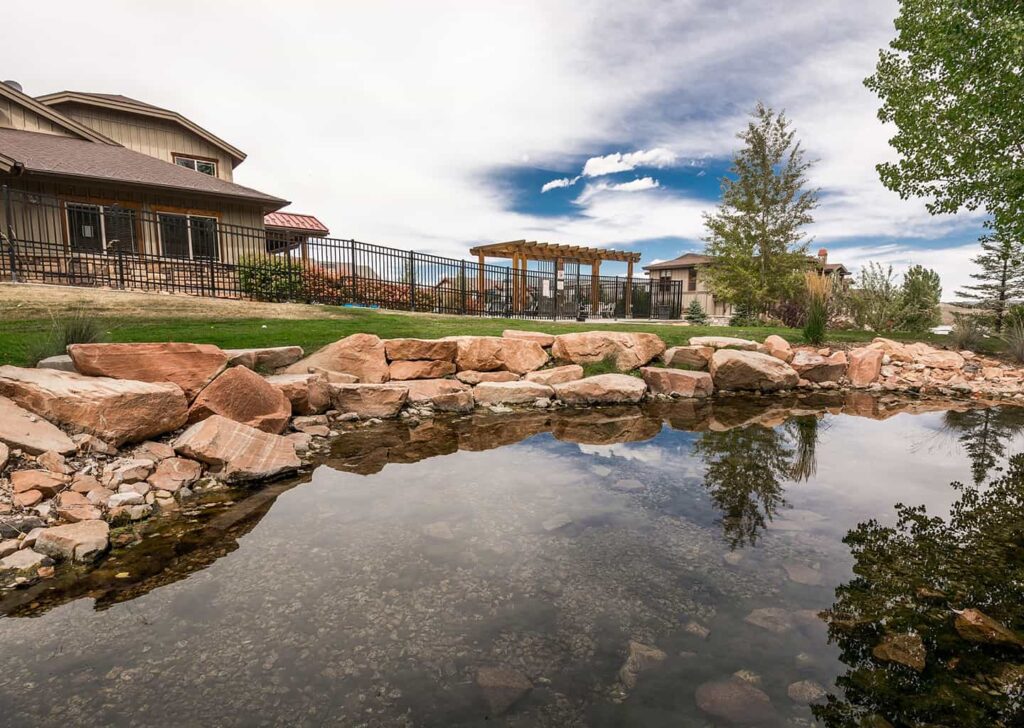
[
  {"x": 691, "y": 283},
  {"x": 119, "y": 228},
  {"x": 204, "y": 237},
  {"x": 188, "y": 236},
  {"x": 174, "y": 235},
  {"x": 99, "y": 228}
]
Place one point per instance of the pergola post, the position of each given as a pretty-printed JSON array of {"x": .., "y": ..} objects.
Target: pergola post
[
  {"x": 523, "y": 263},
  {"x": 629, "y": 289},
  {"x": 480, "y": 298},
  {"x": 595, "y": 287}
]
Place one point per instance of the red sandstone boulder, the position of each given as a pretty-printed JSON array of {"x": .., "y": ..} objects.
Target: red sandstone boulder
[
  {"x": 308, "y": 393},
  {"x": 521, "y": 392},
  {"x": 74, "y": 507},
  {"x": 173, "y": 474},
  {"x": 237, "y": 452},
  {"x": 724, "y": 342},
  {"x": 265, "y": 359},
  {"x": 47, "y": 483},
  {"x": 894, "y": 349},
  {"x": 472, "y": 377},
  {"x": 677, "y": 382},
  {"x": 537, "y": 337},
  {"x": 556, "y": 375},
  {"x": 602, "y": 389},
  {"x": 444, "y": 395},
  {"x": 490, "y": 353},
  {"x": 23, "y": 430},
  {"x": 369, "y": 400},
  {"x": 627, "y": 350},
  {"x": 732, "y": 369},
  {"x": 190, "y": 366},
  {"x": 242, "y": 395},
  {"x": 84, "y": 541},
  {"x": 361, "y": 355},
  {"x": 688, "y": 357},
  {"x": 817, "y": 368},
  {"x": 432, "y": 369},
  {"x": 936, "y": 358},
  {"x": 865, "y": 365},
  {"x": 421, "y": 349},
  {"x": 779, "y": 348},
  {"x": 115, "y": 410}
]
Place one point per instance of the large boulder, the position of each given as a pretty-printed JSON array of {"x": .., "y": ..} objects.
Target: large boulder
[
  {"x": 444, "y": 395},
  {"x": 865, "y": 364},
  {"x": 59, "y": 361},
  {"x": 677, "y": 382},
  {"x": 555, "y": 375},
  {"x": 308, "y": 393},
  {"x": 778, "y": 347},
  {"x": 265, "y": 358},
  {"x": 736, "y": 701},
  {"x": 491, "y": 353},
  {"x": 84, "y": 541},
  {"x": 23, "y": 430},
  {"x": 237, "y": 452},
  {"x": 627, "y": 350},
  {"x": 420, "y": 349},
  {"x": 732, "y": 369},
  {"x": 537, "y": 337},
  {"x": 894, "y": 349},
  {"x": 361, "y": 355},
  {"x": 369, "y": 400},
  {"x": 688, "y": 357},
  {"x": 190, "y": 366},
  {"x": 817, "y": 368},
  {"x": 724, "y": 342},
  {"x": 423, "y": 369},
  {"x": 522, "y": 392},
  {"x": 936, "y": 358},
  {"x": 602, "y": 389},
  {"x": 473, "y": 377},
  {"x": 114, "y": 410},
  {"x": 242, "y": 395}
]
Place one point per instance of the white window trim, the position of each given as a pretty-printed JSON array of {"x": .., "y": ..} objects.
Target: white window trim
[
  {"x": 188, "y": 228},
  {"x": 195, "y": 163},
  {"x": 100, "y": 210}
]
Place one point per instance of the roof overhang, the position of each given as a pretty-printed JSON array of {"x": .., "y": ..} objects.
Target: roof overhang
[
  {"x": 69, "y": 125},
  {"x": 63, "y": 97}
]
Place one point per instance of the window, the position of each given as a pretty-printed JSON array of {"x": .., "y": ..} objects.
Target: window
[
  {"x": 188, "y": 236},
  {"x": 100, "y": 228},
  {"x": 199, "y": 165},
  {"x": 691, "y": 283}
]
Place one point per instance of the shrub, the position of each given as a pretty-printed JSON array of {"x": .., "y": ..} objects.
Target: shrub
[
  {"x": 876, "y": 303},
  {"x": 695, "y": 314},
  {"x": 743, "y": 314},
  {"x": 819, "y": 290},
  {"x": 919, "y": 299},
  {"x": 967, "y": 332},
  {"x": 271, "y": 279},
  {"x": 1013, "y": 335},
  {"x": 77, "y": 328}
]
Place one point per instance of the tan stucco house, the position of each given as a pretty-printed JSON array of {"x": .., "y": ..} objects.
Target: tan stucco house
[
  {"x": 94, "y": 173},
  {"x": 688, "y": 273}
]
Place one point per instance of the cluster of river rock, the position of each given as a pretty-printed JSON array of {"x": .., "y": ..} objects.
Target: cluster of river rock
[{"x": 111, "y": 433}]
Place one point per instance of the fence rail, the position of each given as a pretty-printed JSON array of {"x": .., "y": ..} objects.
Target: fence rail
[{"x": 49, "y": 240}]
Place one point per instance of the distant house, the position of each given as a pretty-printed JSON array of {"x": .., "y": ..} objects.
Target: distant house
[
  {"x": 291, "y": 231},
  {"x": 95, "y": 173},
  {"x": 684, "y": 280}
]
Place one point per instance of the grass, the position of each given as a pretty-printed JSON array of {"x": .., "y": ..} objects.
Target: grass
[{"x": 21, "y": 327}]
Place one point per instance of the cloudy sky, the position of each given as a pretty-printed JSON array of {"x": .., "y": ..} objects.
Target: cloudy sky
[{"x": 440, "y": 125}]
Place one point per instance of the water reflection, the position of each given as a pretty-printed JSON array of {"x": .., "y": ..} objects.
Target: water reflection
[{"x": 984, "y": 435}]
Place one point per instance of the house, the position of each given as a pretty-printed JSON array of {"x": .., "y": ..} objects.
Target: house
[
  {"x": 680, "y": 281},
  {"x": 291, "y": 231},
  {"x": 90, "y": 174}
]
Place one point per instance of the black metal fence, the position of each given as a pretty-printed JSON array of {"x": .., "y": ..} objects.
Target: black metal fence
[{"x": 51, "y": 240}]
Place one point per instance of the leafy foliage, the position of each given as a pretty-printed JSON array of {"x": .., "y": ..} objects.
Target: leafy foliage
[
  {"x": 819, "y": 290},
  {"x": 1014, "y": 338},
  {"x": 877, "y": 300},
  {"x": 919, "y": 299},
  {"x": 951, "y": 82},
  {"x": 270, "y": 278},
  {"x": 695, "y": 314},
  {"x": 756, "y": 236},
  {"x": 744, "y": 314},
  {"x": 1001, "y": 278}
]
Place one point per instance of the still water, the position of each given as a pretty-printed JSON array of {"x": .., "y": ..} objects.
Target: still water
[{"x": 501, "y": 569}]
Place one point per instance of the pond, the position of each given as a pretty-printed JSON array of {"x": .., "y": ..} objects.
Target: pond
[{"x": 687, "y": 563}]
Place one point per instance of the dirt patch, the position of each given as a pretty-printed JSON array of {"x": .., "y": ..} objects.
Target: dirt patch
[{"x": 30, "y": 301}]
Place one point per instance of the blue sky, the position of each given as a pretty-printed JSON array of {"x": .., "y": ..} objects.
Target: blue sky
[{"x": 434, "y": 126}]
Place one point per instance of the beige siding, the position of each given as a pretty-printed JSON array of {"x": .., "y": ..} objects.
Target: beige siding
[
  {"x": 154, "y": 137},
  {"x": 15, "y": 116}
]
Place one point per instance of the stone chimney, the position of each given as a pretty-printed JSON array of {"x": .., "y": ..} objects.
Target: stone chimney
[{"x": 823, "y": 257}]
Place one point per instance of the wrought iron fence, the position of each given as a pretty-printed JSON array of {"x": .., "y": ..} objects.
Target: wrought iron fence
[{"x": 50, "y": 240}]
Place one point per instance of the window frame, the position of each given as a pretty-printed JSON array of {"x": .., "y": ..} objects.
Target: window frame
[
  {"x": 101, "y": 208},
  {"x": 188, "y": 217},
  {"x": 195, "y": 162}
]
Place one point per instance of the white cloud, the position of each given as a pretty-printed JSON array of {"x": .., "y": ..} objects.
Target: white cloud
[
  {"x": 637, "y": 185},
  {"x": 618, "y": 162},
  {"x": 556, "y": 183}
]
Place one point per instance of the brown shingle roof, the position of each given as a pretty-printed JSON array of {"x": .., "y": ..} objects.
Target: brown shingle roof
[
  {"x": 66, "y": 157},
  {"x": 682, "y": 261}
]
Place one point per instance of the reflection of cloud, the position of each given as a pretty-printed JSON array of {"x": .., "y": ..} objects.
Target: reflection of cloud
[{"x": 644, "y": 454}]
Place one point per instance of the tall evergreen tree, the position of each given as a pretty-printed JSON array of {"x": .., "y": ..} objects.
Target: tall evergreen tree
[
  {"x": 1001, "y": 278},
  {"x": 756, "y": 236}
]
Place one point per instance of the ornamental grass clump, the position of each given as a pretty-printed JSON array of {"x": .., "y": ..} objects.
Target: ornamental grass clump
[
  {"x": 819, "y": 291},
  {"x": 1013, "y": 335},
  {"x": 77, "y": 328},
  {"x": 967, "y": 333}
]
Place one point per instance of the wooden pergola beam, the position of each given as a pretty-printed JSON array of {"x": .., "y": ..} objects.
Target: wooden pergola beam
[{"x": 533, "y": 250}]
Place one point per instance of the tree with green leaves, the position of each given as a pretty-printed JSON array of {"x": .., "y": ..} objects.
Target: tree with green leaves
[
  {"x": 1001, "y": 279},
  {"x": 919, "y": 299},
  {"x": 876, "y": 300},
  {"x": 952, "y": 83},
  {"x": 756, "y": 236}
]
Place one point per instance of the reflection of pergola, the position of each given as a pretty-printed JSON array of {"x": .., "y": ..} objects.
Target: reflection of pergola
[{"x": 520, "y": 252}]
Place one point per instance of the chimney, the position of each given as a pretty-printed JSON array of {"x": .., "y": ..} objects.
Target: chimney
[
  {"x": 823, "y": 257},
  {"x": 15, "y": 85}
]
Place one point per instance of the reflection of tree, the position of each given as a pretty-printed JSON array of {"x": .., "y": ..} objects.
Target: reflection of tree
[
  {"x": 983, "y": 433},
  {"x": 915, "y": 578},
  {"x": 744, "y": 470}
]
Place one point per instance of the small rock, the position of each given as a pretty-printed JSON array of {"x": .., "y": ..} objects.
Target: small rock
[
  {"x": 748, "y": 676},
  {"x": 85, "y": 484},
  {"x": 87, "y": 443},
  {"x": 83, "y": 541},
  {"x": 502, "y": 687},
  {"x": 440, "y": 530},
  {"x": 904, "y": 649},
  {"x": 806, "y": 692},
  {"x": 8, "y": 547},
  {"x": 125, "y": 499},
  {"x": 802, "y": 574},
  {"x": 27, "y": 499},
  {"x": 733, "y": 558},
  {"x": 47, "y": 483},
  {"x": 772, "y": 619},
  {"x": 175, "y": 473},
  {"x": 557, "y": 521},
  {"x": 639, "y": 657},
  {"x": 629, "y": 484},
  {"x": 54, "y": 462},
  {"x": 736, "y": 701},
  {"x": 155, "y": 451},
  {"x": 23, "y": 560},
  {"x": 697, "y": 629}
]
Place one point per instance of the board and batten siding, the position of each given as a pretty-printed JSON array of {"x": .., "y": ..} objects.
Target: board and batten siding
[
  {"x": 153, "y": 137},
  {"x": 15, "y": 116}
]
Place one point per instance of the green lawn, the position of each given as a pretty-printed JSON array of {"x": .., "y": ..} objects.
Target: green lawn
[{"x": 17, "y": 336}]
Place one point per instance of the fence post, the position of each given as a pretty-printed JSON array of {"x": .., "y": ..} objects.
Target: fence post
[
  {"x": 412, "y": 281},
  {"x": 9, "y": 214},
  {"x": 462, "y": 287},
  {"x": 352, "y": 267},
  {"x": 213, "y": 278},
  {"x": 120, "y": 268}
]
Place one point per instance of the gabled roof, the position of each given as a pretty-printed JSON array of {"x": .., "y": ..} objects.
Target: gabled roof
[
  {"x": 69, "y": 125},
  {"x": 683, "y": 261},
  {"x": 49, "y": 154},
  {"x": 295, "y": 222},
  {"x": 118, "y": 102}
]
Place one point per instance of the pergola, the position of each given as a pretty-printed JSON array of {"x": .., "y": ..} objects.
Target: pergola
[{"x": 520, "y": 252}]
